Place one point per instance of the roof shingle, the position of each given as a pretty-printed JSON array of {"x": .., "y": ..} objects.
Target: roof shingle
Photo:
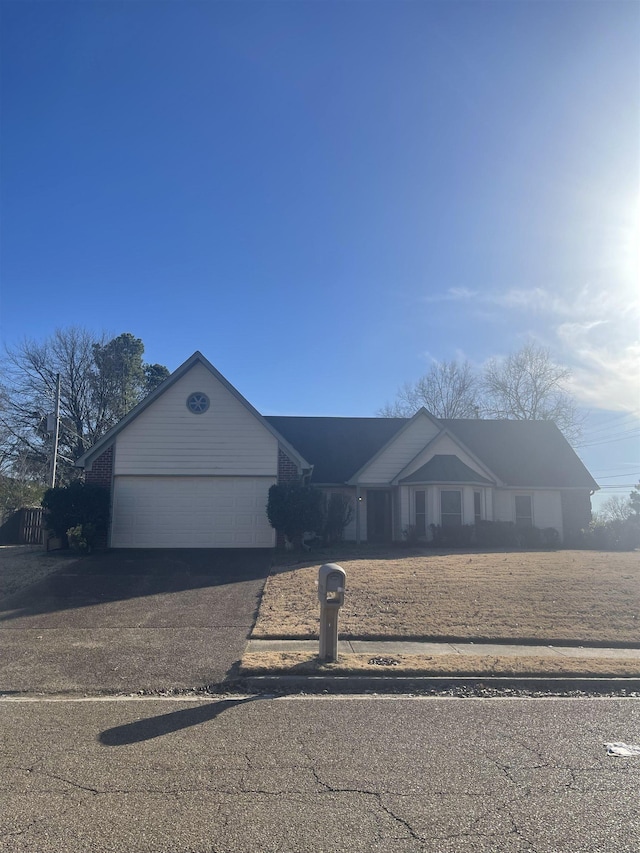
[{"x": 531, "y": 454}]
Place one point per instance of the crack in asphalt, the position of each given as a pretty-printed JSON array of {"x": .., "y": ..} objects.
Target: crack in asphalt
[
  {"x": 35, "y": 822},
  {"x": 377, "y": 795}
]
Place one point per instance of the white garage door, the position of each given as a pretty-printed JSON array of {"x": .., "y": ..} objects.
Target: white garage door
[{"x": 191, "y": 512}]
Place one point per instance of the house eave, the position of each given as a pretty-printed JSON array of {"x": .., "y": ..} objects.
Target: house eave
[
  {"x": 108, "y": 438},
  {"x": 354, "y": 481},
  {"x": 447, "y": 432}
]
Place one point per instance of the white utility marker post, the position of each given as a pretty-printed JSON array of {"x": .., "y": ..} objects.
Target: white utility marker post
[{"x": 331, "y": 586}]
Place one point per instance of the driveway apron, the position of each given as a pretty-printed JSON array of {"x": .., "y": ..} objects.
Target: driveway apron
[{"x": 129, "y": 621}]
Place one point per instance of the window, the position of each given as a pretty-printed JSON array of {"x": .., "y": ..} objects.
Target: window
[
  {"x": 450, "y": 508},
  {"x": 477, "y": 507},
  {"x": 524, "y": 512},
  {"x": 421, "y": 513},
  {"x": 197, "y": 403}
]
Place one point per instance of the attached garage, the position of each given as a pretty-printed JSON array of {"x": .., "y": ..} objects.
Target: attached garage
[
  {"x": 191, "y": 466},
  {"x": 191, "y": 512}
]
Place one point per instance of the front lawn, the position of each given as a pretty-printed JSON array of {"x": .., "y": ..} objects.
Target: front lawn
[{"x": 573, "y": 596}]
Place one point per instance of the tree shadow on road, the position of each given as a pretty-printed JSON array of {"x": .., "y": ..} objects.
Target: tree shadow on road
[{"x": 164, "y": 724}]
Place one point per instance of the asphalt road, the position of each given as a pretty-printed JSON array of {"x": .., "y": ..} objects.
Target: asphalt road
[
  {"x": 130, "y": 620},
  {"x": 318, "y": 774}
]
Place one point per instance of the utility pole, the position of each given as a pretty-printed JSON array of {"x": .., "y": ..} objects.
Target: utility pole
[{"x": 56, "y": 432}]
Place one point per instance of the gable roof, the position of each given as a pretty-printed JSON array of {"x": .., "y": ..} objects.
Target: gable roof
[
  {"x": 337, "y": 447},
  {"x": 445, "y": 468},
  {"x": 526, "y": 454},
  {"x": 197, "y": 358}
]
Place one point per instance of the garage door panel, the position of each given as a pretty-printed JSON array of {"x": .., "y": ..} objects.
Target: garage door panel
[{"x": 191, "y": 512}]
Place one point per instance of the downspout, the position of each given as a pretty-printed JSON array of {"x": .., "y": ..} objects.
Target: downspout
[{"x": 358, "y": 502}]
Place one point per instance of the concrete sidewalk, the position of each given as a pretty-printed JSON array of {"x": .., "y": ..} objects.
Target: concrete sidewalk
[{"x": 398, "y": 647}]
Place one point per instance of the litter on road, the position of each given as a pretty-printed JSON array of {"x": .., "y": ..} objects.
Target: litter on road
[{"x": 622, "y": 750}]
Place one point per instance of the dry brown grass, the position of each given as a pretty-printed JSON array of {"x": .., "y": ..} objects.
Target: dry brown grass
[
  {"x": 574, "y": 596},
  {"x": 307, "y": 663}
]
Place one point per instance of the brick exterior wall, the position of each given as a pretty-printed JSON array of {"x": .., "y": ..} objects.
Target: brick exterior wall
[
  {"x": 101, "y": 475},
  {"x": 287, "y": 469},
  {"x": 287, "y": 473},
  {"x": 101, "y": 470}
]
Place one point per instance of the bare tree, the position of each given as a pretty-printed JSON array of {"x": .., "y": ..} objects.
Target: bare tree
[
  {"x": 615, "y": 508},
  {"x": 30, "y": 371},
  {"x": 529, "y": 385},
  {"x": 101, "y": 379},
  {"x": 448, "y": 390}
]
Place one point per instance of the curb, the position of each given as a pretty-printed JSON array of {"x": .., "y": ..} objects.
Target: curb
[
  {"x": 464, "y": 685},
  {"x": 460, "y": 641}
]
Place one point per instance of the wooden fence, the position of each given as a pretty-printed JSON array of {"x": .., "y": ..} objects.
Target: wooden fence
[{"x": 23, "y": 527}]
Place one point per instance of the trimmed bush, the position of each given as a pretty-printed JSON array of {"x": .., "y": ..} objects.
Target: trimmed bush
[
  {"x": 496, "y": 534},
  {"x": 295, "y": 509},
  {"x": 456, "y": 536},
  {"x": 550, "y": 538},
  {"x": 77, "y": 504},
  {"x": 338, "y": 514},
  {"x": 529, "y": 537}
]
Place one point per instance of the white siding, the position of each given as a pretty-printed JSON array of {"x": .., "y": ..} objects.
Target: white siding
[
  {"x": 402, "y": 450},
  {"x": 546, "y": 505},
  {"x": 503, "y": 505},
  {"x": 191, "y": 512},
  {"x": 407, "y": 513},
  {"x": 166, "y": 438},
  {"x": 361, "y": 509},
  {"x": 468, "y": 514},
  {"x": 547, "y": 510}
]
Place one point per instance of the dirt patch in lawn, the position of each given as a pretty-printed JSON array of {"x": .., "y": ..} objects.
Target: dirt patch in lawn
[
  {"x": 572, "y": 596},
  {"x": 23, "y": 565},
  {"x": 307, "y": 663}
]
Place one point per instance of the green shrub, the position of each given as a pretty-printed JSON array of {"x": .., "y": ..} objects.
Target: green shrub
[
  {"x": 410, "y": 535},
  {"x": 496, "y": 534},
  {"x": 529, "y": 537},
  {"x": 550, "y": 538},
  {"x": 82, "y": 538},
  {"x": 455, "y": 536},
  {"x": 77, "y": 504},
  {"x": 295, "y": 509},
  {"x": 614, "y": 535},
  {"x": 338, "y": 512}
]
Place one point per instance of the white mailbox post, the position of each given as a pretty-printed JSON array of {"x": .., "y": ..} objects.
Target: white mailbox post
[{"x": 331, "y": 586}]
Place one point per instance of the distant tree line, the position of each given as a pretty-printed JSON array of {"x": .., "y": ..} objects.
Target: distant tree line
[
  {"x": 101, "y": 380},
  {"x": 616, "y": 525},
  {"x": 526, "y": 385}
]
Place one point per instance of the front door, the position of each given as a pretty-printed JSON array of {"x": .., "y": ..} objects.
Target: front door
[{"x": 379, "y": 515}]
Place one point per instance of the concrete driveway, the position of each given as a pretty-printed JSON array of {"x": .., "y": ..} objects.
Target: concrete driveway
[{"x": 129, "y": 621}]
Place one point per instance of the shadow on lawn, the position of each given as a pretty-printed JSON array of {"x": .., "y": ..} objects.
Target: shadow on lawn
[
  {"x": 288, "y": 561},
  {"x": 117, "y": 576}
]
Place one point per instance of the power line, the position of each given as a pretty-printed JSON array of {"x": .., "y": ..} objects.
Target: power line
[
  {"x": 617, "y": 420},
  {"x": 615, "y": 476},
  {"x": 620, "y": 488},
  {"x": 625, "y": 436}
]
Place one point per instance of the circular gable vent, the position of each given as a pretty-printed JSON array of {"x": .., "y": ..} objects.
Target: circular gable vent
[{"x": 197, "y": 403}]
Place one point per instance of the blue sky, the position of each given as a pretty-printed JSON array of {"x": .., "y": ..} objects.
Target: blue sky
[{"x": 326, "y": 197}]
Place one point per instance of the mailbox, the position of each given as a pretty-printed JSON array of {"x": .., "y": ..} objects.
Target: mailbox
[{"x": 331, "y": 584}]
